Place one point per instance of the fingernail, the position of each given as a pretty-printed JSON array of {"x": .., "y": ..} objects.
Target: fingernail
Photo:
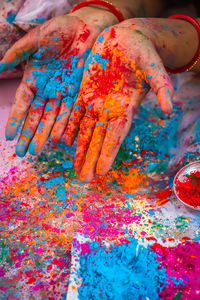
[
  {"x": 2, "y": 66},
  {"x": 31, "y": 148},
  {"x": 20, "y": 150},
  {"x": 9, "y": 135},
  {"x": 170, "y": 104},
  {"x": 8, "y": 138}
]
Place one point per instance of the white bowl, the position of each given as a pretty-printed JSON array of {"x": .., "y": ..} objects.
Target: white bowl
[{"x": 186, "y": 170}]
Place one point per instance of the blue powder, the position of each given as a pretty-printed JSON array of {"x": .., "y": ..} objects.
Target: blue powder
[
  {"x": 11, "y": 65},
  {"x": 31, "y": 148},
  {"x": 129, "y": 272},
  {"x": 96, "y": 58},
  {"x": 11, "y": 17},
  {"x": 60, "y": 193},
  {"x": 54, "y": 181},
  {"x": 66, "y": 148},
  {"x": 101, "y": 38},
  {"x": 150, "y": 135},
  {"x": 39, "y": 20},
  {"x": 67, "y": 164},
  {"x": 59, "y": 117},
  {"x": 20, "y": 150},
  {"x": 48, "y": 107},
  {"x": 61, "y": 77},
  {"x": 27, "y": 133},
  {"x": 40, "y": 128}
]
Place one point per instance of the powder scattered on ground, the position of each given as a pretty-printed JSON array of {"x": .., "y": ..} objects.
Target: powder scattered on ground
[
  {"x": 181, "y": 262},
  {"x": 133, "y": 179}
]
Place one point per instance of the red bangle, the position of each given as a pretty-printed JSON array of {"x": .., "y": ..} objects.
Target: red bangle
[
  {"x": 196, "y": 58},
  {"x": 111, "y": 7}
]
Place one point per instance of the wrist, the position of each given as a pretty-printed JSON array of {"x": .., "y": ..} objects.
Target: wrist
[
  {"x": 103, "y": 15},
  {"x": 176, "y": 43},
  {"x": 98, "y": 16},
  {"x": 175, "y": 40}
]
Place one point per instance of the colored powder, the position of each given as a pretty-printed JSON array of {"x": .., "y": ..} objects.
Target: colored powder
[
  {"x": 188, "y": 189},
  {"x": 96, "y": 58},
  {"x": 43, "y": 205},
  {"x": 181, "y": 262},
  {"x": 133, "y": 179},
  {"x": 61, "y": 76},
  {"x": 39, "y": 20},
  {"x": 129, "y": 271},
  {"x": 11, "y": 17},
  {"x": 67, "y": 164}
]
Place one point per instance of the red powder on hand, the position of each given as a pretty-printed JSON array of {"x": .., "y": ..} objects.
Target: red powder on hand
[{"x": 188, "y": 189}]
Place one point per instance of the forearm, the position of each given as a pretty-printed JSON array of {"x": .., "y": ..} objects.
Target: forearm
[
  {"x": 139, "y": 8},
  {"x": 175, "y": 40},
  {"x": 129, "y": 8}
]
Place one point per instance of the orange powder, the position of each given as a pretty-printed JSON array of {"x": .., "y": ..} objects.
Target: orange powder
[{"x": 133, "y": 180}]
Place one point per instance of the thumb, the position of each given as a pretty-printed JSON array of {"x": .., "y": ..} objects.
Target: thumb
[
  {"x": 161, "y": 84},
  {"x": 20, "y": 50}
]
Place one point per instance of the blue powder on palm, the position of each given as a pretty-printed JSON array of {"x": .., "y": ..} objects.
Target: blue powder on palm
[
  {"x": 129, "y": 271},
  {"x": 96, "y": 58},
  {"x": 61, "y": 77}
]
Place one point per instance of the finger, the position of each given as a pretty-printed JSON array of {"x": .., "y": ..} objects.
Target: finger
[
  {"x": 62, "y": 119},
  {"x": 20, "y": 50},
  {"x": 161, "y": 84},
  {"x": 30, "y": 124},
  {"x": 87, "y": 126},
  {"x": 19, "y": 109},
  {"x": 164, "y": 96},
  {"x": 93, "y": 153},
  {"x": 46, "y": 124},
  {"x": 116, "y": 132},
  {"x": 76, "y": 116}
]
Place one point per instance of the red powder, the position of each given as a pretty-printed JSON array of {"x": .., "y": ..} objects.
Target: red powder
[{"x": 188, "y": 189}]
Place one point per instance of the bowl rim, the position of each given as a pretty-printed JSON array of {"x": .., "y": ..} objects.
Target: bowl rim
[{"x": 174, "y": 189}]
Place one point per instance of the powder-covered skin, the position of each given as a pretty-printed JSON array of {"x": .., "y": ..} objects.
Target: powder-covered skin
[
  {"x": 111, "y": 91},
  {"x": 43, "y": 204},
  {"x": 56, "y": 53}
]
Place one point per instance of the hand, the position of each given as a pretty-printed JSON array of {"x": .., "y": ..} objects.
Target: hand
[
  {"x": 120, "y": 70},
  {"x": 52, "y": 76}
]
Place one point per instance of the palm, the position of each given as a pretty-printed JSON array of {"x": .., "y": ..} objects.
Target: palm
[
  {"x": 51, "y": 80},
  {"x": 115, "y": 81}
]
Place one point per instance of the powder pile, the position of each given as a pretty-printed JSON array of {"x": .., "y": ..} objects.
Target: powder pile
[
  {"x": 133, "y": 180},
  {"x": 129, "y": 271},
  {"x": 181, "y": 262}
]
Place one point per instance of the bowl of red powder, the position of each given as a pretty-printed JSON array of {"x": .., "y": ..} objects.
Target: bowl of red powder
[{"x": 187, "y": 185}]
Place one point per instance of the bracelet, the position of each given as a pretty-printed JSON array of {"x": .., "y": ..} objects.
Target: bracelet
[
  {"x": 108, "y": 5},
  {"x": 196, "y": 58}
]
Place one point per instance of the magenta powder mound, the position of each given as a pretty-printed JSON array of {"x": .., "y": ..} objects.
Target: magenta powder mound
[{"x": 181, "y": 262}]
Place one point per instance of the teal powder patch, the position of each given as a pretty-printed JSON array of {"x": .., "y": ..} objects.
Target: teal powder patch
[{"x": 129, "y": 271}]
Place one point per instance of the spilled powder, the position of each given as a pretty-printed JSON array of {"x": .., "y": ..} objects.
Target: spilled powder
[
  {"x": 129, "y": 271},
  {"x": 181, "y": 262},
  {"x": 133, "y": 179}
]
